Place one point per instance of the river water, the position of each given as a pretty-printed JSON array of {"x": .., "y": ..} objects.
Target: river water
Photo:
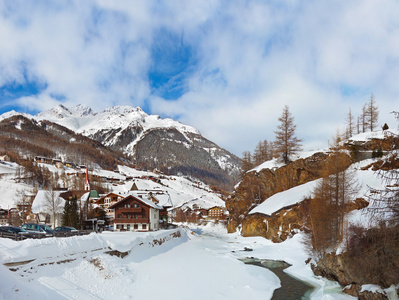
[{"x": 291, "y": 288}]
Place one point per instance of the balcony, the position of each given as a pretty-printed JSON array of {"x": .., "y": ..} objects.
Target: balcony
[
  {"x": 131, "y": 221},
  {"x": 124, "y": 210}
]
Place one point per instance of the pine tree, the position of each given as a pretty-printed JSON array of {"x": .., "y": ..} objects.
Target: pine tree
[
  {"x": 70, "y": 215},
  {"x": 286, "y": 142}
]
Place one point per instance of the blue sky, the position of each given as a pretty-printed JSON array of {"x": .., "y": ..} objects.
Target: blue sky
[{"x": 224, "y": 67}]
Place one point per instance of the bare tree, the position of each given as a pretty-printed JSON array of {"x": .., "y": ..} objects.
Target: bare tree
[
  {"x": 364, "y": 118},
  {"x": 350, "y": 124},
  {"x": 53, "y": 204},
  {"x": 247, "y": 163},
  {"x": 333, "y": 192},
  {"x": 286, "y": 142},
  {"x": 262, "y": 152},
  {"x": 388, "y": 199},
  {"x": 372, "y": 113}
]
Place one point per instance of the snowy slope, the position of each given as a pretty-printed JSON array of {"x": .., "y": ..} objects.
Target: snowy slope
[
  {"x": 10, "y": 190},
  {"x": 183, "y": 192}
]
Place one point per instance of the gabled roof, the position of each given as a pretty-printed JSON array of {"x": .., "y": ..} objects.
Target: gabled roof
[
  {"x": 101, "y": 200},
  {"x": 144, "y": 201},
  {"x": 42, "y": 198}
]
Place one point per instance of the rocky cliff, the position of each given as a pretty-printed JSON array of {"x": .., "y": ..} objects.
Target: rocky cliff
[
  {"x": 255, "y": 187},
  {"x": 258, "y": 186}
]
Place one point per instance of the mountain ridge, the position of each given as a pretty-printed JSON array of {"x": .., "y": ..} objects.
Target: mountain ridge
[{"x": 147, "y": 140}]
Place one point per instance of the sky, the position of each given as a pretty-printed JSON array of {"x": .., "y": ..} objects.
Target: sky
[{"x": 225, "y": 67}]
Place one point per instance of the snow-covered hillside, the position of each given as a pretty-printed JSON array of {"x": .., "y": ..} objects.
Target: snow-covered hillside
[
  {"x": 148, "y": 140},
  {"x": 183, "y": 192},
  {"x": 10, "y": 189}
]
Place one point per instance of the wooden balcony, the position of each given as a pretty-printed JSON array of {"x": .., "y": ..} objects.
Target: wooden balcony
[
  {"x": 131, "y": 221},
  {"x": 125, "y": 210}
]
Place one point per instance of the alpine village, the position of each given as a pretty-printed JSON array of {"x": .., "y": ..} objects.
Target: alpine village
[{"x": 53, "y": 175}]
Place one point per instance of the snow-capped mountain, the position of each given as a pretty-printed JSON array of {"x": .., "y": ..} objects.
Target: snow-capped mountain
[
  {"x": 112, "y": 124},
  {"x": 148, "y": 140}
]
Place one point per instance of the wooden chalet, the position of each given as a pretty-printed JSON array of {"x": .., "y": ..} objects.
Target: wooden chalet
[
  {"x": 4, "y": 216},
  {"x": 217, "y": 212},
  {"x": 136, "y": 214},
  {"x": 106, "y": 201}
]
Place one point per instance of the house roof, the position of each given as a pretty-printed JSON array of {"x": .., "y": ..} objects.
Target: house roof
[
  {"x": 144, "y": 201},
  {"x": 42, "y": 198}
]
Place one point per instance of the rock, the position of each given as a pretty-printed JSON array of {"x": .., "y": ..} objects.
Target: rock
[{"x": 367, "y": 295}]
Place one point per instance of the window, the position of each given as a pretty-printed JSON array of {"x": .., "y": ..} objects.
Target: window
[
  {"x": 136, "y": 226},
  {"x": 128, "y": 227},
  {"x": 144, "y": 226},
  {"x": 135, "y": 205},
  {"x": 119, "y": 216}
]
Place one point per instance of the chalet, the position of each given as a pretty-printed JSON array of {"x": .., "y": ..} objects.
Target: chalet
[
  {"x": 216, "y": 212},
  {"x": 136, "y": 214},
  {"x": 4, "y": 158},
  {"x": 42, "y": 159},
  {"x": 70, "y": 164},
  {"x": 106, "y": 201},
  {"x": 48, "y": 205},
  {"x": 4, "y": 216}
]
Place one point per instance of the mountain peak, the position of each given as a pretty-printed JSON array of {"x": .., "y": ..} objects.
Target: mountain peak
[
  {"x": 123, "y": 109},
  {"x": 62, "y": 112}
]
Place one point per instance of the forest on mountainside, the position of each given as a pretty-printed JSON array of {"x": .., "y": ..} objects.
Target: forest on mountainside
[{"x": 27, "y": 139}]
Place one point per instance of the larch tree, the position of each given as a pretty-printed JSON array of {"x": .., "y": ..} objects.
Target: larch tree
[
  {"x": 261, "y": 152},
  {"x": 387, "y": 199},
  {"x": 350, "y": 124},
  {"x": 334, "y": 191},
  {"x": 286, "y": 142},
  {"x": 372, "y": 113},
  {"x": 364, "y": 118},
  {"x": 247, "y": 163}
]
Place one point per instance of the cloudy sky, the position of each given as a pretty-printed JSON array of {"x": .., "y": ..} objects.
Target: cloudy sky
[{"x": 224, "y": 67}]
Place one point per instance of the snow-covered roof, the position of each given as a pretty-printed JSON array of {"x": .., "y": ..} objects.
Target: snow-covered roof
[
  {"x": 40, "y": 203},
  {"x": 367, "y": 179},
  {"x": 284, "y": 199},
  {"x": 144, "y": 200}
]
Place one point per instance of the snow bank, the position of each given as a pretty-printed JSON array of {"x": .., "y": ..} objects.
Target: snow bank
[
  {"x": 172, "y": 264},
  {"x": 57, "y": 248}
]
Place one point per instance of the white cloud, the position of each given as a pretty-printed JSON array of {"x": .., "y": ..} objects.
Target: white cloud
[{"x": 250, "y": 59}]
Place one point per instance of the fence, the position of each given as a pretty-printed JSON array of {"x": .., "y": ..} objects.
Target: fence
[{"x": 20, "y": 237}]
